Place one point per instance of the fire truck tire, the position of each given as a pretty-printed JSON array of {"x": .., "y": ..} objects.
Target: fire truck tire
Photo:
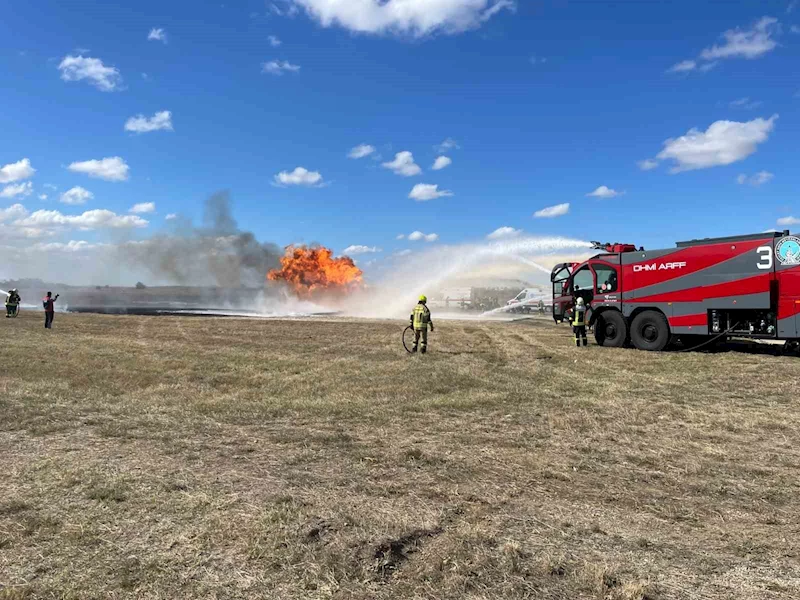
[
  {"x": 650, "y": 331},
  {"x": 611, "y": 330}
]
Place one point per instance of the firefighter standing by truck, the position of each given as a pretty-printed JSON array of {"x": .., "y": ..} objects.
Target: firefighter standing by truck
[
  {"x": 579, "y": 322},
  {"x": 12, "y": 303},
  {"x": 420, "y": 319}
]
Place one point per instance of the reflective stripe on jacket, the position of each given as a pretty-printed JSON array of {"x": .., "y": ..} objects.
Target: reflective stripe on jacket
[{"x": 421, "y": 316}]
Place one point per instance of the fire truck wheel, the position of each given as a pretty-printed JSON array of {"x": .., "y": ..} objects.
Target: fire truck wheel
[
  {"x": 650, "y": 331},
  {"x": 610, "y": 330}
]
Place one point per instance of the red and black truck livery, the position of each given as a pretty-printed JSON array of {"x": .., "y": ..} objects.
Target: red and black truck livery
[{"x": 739, "y": 286}]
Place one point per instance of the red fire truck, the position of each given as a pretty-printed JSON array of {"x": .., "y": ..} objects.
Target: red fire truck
[{"x": 735, "y": 286}]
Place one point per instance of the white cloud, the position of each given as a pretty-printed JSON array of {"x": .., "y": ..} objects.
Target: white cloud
[
  {"x": 723, "y": 143},
  {"x": 403, "y": 253},
  {"x": 21, "y": 169},
  {"x": 20, "y": 189},
  {"x": 92, "y": 219},
  {"x": 403, "y": 164},
  {"x": 78, "y": 68},
  {"x": 442, "y": 162},
  {"x": 759, "y": 178},
  {"x": 745, "y": 103},
  {"x": 447, "y": 145},
  {"x": 274, "y": 41},
  {"x": 738, "y": 43},
  {"x": 71, "y": 246},
  {"x": 401, "y": 236},
  {"x": 42, "y": 196},
  {"x": 788, "y": 221},
  {"x": 287, "y": 10},
  {"x": 50, "y": 186},
  {"x": 538, "y": 60},
  {"x": 361, "y": 151},
  {"x": 13, "y": 213},
  {"x": 604, "y": 192},
  {"x": 141, "y": 124},
  {"x": 418, "y": 235},
  {"x": 559, "y": 210},
  {"x": 357, "y": 249},
  {"x": 76, "y": 195},
  {"x": 503, "y": 233},
  {"x": 683, "y": 66},
  {"x": 278, "y": 67},
  {"x": 157, "y": 34},
  {"x": 300, "y": 176},
  {"x": 428, "y": 191},
  {"x": 143, "y": 208},
  {"x": 111, "y": 169},
  {"x": 648, "y": 164},
  {"x": 404, "y": 17},
  {"x": 747, "y": 43},
  {"x": 171, "y": 217}
]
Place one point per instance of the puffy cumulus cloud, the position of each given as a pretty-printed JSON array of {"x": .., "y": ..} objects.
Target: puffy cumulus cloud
[
  {"x": 171, "y": 217},
  {"x": 361, "y": 151},
  {"x": 143, "y": 208},
  {"x": 19, "y": 189},
  {"x": 417, "y": 236},
  {"x": 788, "y": 221},
  {"x": 355, "y": 250},
  {"x": 110, "y": 169},
  {"x": 403, "y": 164},
  {"x": 503, "y": 233},
  {"x": 278, "y": 67},
  {"x": 428, "y": 191},
  {"x": 558, "y": 210},
  {"x": 300, "y": 176},
  {"x": 759, "y": 178},
  {"x": 723, "y": 143},
  {"x": 157, "y": 34},
  {"x": 648, "y": 164},
  {"x": 159, "y": 121},
  {"x": 21, "y": 169},
  {"x": 404, "y": 17},
  {"x": 76, "y": 195},
  {"x": 442, "y": 162},
  {"x": 13, "y": 213},
  {"x": 92, "y": 219},
  {"x": 42, "y": 196},
  {"x": 400, "y": 236},
  {"x": 80, "y": 68},
  {"x": 603, "y": 192}
]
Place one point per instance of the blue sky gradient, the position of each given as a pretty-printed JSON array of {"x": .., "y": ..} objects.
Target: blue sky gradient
[{"x": 547, "y": 101}]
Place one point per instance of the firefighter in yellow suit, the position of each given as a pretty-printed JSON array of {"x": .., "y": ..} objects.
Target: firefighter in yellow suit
[{"x": 420, "y": 319}]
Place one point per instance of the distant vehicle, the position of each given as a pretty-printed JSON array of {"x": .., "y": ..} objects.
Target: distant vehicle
[{"x": 529, "y": 300}]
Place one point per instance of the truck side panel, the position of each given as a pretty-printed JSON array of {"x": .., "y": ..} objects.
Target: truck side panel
[
  {"x": 686, "y": 283},
  {"x": 788, "y": 276}
]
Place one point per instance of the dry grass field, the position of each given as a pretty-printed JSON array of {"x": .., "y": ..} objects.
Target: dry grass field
[{"x": 160, "y": 457}]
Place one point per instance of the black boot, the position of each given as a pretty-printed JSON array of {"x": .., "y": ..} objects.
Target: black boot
[
  {"x": 414, "y": 349},
  {"x": 424, "y": 349}
]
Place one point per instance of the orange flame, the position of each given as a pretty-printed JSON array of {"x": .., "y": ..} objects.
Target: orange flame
[{"x": 310, "y": 270}]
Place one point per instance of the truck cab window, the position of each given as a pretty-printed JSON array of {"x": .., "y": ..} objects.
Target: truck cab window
[
  {"x": 560, "y": 280},
  {"x": 582, "y": 280},
  {"x": 607, "y": 282}
]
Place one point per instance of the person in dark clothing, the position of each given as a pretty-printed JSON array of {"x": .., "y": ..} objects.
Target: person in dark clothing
[{"x": 49, "y": 309}]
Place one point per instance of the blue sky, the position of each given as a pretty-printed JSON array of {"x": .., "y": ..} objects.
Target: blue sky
[{"x": 545, "y": 101}]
